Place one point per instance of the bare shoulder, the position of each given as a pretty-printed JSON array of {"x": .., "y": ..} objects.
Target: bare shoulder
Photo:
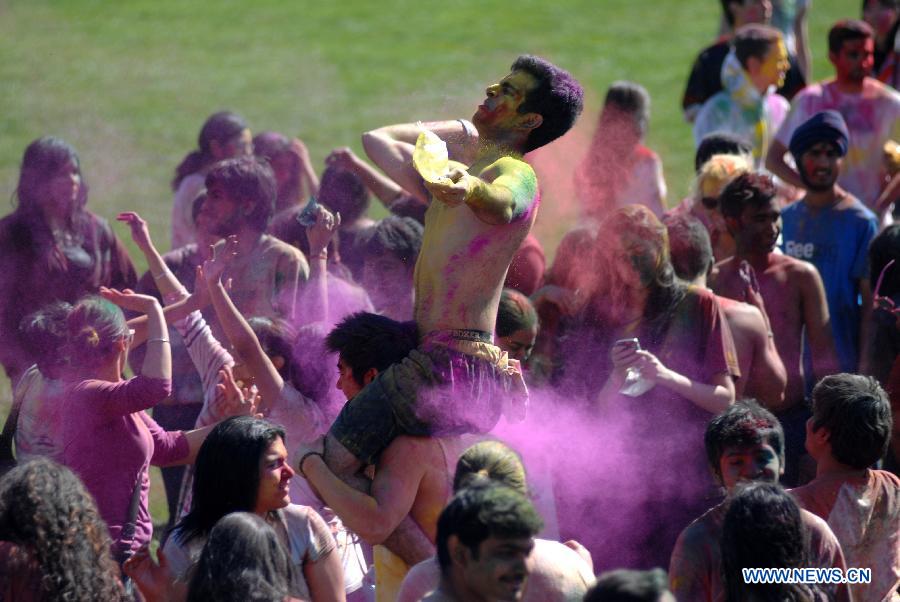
[
  {"x": 792, "y": 266},
  {"x": 508, "y": 166}
]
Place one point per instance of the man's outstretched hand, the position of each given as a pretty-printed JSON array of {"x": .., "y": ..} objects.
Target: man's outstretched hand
[{"x": 455, "y": 189}]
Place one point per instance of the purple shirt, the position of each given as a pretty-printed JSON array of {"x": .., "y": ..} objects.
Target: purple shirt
[{"x": 109, "y": 442}]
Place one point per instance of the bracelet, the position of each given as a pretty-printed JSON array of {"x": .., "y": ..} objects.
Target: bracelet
[
  {"x": 304, "y": 457},
  {"x": 468, "y": 128},
  {"x": 321, "y": 255},
  {"x": 160, "y": 340}
]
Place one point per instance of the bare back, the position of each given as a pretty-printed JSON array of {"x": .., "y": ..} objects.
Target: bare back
[
  {"x": 463, "y": 261},
  {"x": 781, "y": 286}
]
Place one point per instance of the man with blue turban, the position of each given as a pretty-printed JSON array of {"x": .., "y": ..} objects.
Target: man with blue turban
[{"x": 832, "y": 229}]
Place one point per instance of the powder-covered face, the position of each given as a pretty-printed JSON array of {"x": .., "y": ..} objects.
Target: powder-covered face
[
  {"x": 500, "y": 110},
  {"x": 221, "y": 212},
  {"x": 500, "y": 569},
  {"x": 820, "y": 166},
  {"x": 759, "y": 227},
  {"x": 775, "y": 65},
  {"x": 387, "y": 279},
  {"x": 519, "y": 344},
  {"x": 61, "y": 190},
  {"x": 275, "y": 474},
  {"x": 346, "y": 382},
  {"x": 240, "y": 145},
  {"x": 855, "y": 60},
  {"x": 742, "y": 463}
]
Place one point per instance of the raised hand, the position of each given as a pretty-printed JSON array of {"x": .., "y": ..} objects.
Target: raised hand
[
  {"x": 221, "y": 258},
  {"x": 140, "y": 234},
  {"x": 751, "y": 286},
  {"x": 128, "y": 299},
  {"x": 342, "y": 158},
  {"x": 321, "y": 232},
  {"x": 230, "y": 399}
]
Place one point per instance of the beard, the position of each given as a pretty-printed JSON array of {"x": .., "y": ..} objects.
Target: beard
[{"x": 816, "y": 186}]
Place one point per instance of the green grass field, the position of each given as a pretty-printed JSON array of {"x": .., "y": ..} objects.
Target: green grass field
[{"x": 129, "y": 83}]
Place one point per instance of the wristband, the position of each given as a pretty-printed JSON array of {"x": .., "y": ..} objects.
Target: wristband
[
  {"x": 323, "y": 254},
  {"x": 304, "y": 457},
  {"x": 468, "y": 128},
  {"x": 160, "y": 340}
]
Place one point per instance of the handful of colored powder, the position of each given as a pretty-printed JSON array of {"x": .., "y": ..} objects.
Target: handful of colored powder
[{"x": 430, "y": 157}]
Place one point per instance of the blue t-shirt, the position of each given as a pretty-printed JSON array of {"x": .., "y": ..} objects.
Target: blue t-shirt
[{"x": 835, "y": 240}]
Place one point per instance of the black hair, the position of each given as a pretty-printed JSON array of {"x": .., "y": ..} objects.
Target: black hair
[
  {"x": 720, "y": 143},
  {"x": 857, "y": 413},
  {"x": 407, "y": 205},
  {"x": 744, "y": 423},
  {"x": 276, "y": 338},
  {"x": 45, "y": 336},
  {"x": 632, "y": 99},
  {"x": 689, "y": 246},
  {"x": 726, "y": 10},
  {"x": 624, "y": 585},
  {"x": 754, "y": 41},
  {"x": 846, "y": 30},
  {"x": 343, "y": 192},
  {"x": 746, "y": 190},
  {"x": 42, "y": 160},
  {"x": 482, "y": 511},
  {"x": 270, "y": 146},
  {"x": 243, "y": 560},
  {"x": 365, "y": 340},
  {"x": 226, "y": 473},
  {"x": 220, "y": 127},
  {"x": 884, "y": 248},
  {"x": 399, "y": 236},
  {"x": 557, "y": 98},
  {"x": 515, "y": 313},
  {"x": 763, "y": 527},
  {"x": 247, "y": 179}
]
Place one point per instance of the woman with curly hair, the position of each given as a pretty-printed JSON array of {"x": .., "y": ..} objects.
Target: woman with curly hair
[
  {"x": 53, "y": 545},
  {"x": 51, "y": 247}
]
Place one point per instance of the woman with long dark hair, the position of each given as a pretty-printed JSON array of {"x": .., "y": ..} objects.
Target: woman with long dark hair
[
  {"x": 243, "y": 467},
  {"x": 223, "y": 135},
  {"x": 53, "y": 544},
  {"x": 51, "y": 247}
]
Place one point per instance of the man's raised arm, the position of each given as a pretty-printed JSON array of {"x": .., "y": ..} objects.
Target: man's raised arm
[{"x": 391, "y": 149}]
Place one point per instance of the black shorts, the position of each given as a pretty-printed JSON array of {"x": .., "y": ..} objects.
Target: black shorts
[{"x": 434, "y": 391}]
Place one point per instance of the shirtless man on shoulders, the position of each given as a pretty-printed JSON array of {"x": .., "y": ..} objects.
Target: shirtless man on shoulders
[
  {"x": 793, "y": 293},
  {"x": 477, "y": 220}
]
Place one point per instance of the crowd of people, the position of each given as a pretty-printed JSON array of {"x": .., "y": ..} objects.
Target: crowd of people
[{"x": 420, "y": 408}]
